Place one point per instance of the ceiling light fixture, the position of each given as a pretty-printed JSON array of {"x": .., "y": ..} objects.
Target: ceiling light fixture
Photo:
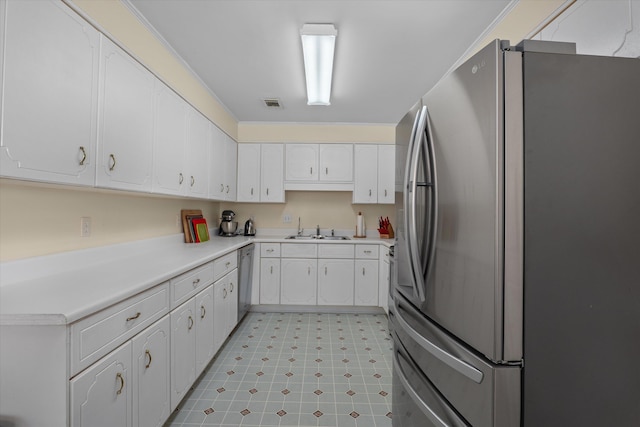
[{"x": 318, "y": 45}]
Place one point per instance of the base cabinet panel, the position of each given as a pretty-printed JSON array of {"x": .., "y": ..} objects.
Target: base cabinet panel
[
  {"x": 335, "y": 282},
  {"x": 183, "y": 347},
  {"x": 299, "y": 281},
  {"x": 151, "y": 375},
  {"x": 366, "y": 282},
  {"x": 270, "y": 281},
  {"x": 102, "y": 395}
]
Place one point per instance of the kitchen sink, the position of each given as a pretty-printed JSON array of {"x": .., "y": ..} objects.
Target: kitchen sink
[{"x": 317, "y": 237}]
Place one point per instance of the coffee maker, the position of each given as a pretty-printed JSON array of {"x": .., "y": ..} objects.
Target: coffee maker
[{"x": 228, "y": 226}]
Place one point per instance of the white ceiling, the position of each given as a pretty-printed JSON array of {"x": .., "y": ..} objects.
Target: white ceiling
[{"x": 388, "y": 52}]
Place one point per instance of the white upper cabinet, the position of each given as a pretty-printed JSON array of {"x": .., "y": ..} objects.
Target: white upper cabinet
[
  {"x": 222, "y": 166},
  {"x": 302, "y": 162},
  {"x": 374, "y": 174},
  {"x": 319, "y": 167},
  {"x": 125, "y": 121},
  {"x": 249, "y": 172},
  {"x": 169, "y": 142},
  {"x": 365, "y": 183},
  {"x": 260, "y": 173},
  {"x": 386, "y": 173},
  {"x": 49, "y": 75},
  {"x": 336, "y": 162},
  {"x": 198, "y": 146}
]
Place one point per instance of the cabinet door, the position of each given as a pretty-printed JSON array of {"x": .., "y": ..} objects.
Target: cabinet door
[
  {"x": 383, "y": 285},
  {"x": 219, "y": 313},
  {"x": 336, "y": 162},
  {"x": 248, "y": 172},
  {"x": 151, "y": 375},
  {"x": 299, "y": 281},
  {"x": 217, "y": 164},
  {"x": 198, "y": 144},
  {"x": 205, "y": 349},
  {"x": 183, "y": 347},
  {"x": 366, "y": 282},
  {"x": 125, "y": 121},
  {"x": 230, "y": 172},
  {"x": 272, "y": 173},
  {"x": 101, "y": 395},
  {"x": 386, "y": 173},
  {"x": 270, "y": 281},
  {"x": 365, "y": 180},
  {"x": 169, "y": 142},
  {"x": 49, "y": 94},
  {"x": 335, "y": 282},
  {"x": 232, "y": 301},
  {"x": 301, "y": 162}
]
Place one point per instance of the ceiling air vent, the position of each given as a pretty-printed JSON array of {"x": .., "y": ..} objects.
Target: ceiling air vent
[{"x": 272, "y": 103}]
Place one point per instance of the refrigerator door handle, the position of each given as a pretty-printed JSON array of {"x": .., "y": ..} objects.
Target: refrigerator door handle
[
  {"x": 459, "y": 365},
  {"x": 415, "y": 262},
  {"x": 433, "y": 215},
  {"x": 424, "y": 406}
]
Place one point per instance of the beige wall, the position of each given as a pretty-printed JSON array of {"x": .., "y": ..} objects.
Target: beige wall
[{"x": 329, "y": 209}]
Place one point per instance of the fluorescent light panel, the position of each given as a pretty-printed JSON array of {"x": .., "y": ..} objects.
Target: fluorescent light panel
[{"x": 318, "y": 46}]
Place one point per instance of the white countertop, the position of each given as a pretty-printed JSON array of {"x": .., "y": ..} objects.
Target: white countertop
[{"x": 63, "y": 288}]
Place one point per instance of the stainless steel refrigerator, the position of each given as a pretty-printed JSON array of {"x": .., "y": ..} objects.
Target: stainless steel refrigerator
[{"x": 516, "y": 299}]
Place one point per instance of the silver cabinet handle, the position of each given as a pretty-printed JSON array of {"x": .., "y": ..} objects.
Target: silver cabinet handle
[
  {"x": 147, "y": 354},
  {"x": 113, "y": 162},
  {"x": 311, "y": 170},
  {"x": 227, "y": 264},
  {"x": 252, "y": 191},
  {"x": 121, "y": 379},
  {"x": 227, "y": 189},
  {"x": 193, "y": 180},
  {"x": 271, "y": 269},
  {"x": 84, "y": 156},
  {"x": 267, "y": 191},
  {"x": 190, "y": 323},
  {"x": 221, "y": 188},
  {"x": 369, "y": 192},
  {"x": 385, "y": 192},
  {"x": 269, "y": 250},
  {"x": 367, "y": 252},
  {"x": 180, "y": 178},
  {"x": 203, "y": 311},
  {"x": 230, "y": 286},
  {"x": 309, "y": 271},
  {"x": 133, "y": 317},
  {"x": 326, "y": 171},
  {"x": 325, "y": 270},
  {"x": 195, "y": 282},
  {"x": 363, "y": 271},
  {"x": 224, "y": 293}
]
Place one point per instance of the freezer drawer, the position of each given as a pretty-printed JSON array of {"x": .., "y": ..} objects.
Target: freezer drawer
[{"x": 481, "y": 393}]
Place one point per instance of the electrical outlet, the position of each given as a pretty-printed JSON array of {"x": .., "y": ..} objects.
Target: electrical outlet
[
  {"x": 286, "y": 218},
  {"x": 178, "y": 221},
  {"x": 85, "y": 226}
]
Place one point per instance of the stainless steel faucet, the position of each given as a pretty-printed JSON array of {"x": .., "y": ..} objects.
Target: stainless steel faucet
[
  {"x": 299, "y": 228},
  {"x": 317, "y": 230}
]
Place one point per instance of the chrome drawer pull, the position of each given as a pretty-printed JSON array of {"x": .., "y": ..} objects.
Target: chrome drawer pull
[
  {"x": 113, "y": 162},
  {"x": 84, "y": 156},
  {"x": 203, "y": 311},
  {"x": 181, "y": 179},
  {"x": 190, "y": 323}
]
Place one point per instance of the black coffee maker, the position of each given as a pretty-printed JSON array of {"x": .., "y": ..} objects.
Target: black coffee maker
[{"x": 228, "y": 226}]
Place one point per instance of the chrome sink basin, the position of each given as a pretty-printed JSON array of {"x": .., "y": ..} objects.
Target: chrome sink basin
[{"x": 317, "y": 237}]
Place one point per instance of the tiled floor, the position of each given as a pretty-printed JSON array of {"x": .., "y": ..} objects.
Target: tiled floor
[{"x": 292, "y": 369}]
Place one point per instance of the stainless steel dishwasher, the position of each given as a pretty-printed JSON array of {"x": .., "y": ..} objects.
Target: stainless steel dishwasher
[{"x": 245, "y": 277}]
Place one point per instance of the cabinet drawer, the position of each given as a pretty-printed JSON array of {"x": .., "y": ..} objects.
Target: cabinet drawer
[
  {"x": 270, "y": 250},
  {"x": 225, "y": 264},
  {"x": 367, "y": 251},
  {"x": 299, "y": 250},
  {"x": 98, "y": 334},
  {"x": 327, "y": 250},
  {"x": 188, "y": 284}
]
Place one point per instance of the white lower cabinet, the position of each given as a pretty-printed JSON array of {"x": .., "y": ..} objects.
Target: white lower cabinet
[
  {"x": 183, "y": 348},
  {"x": 384, "y": 280},
  {"x": 270, "y": 281},
  {"x": 205, "y": 345},
  {"x": 151, "y": 375},
  {"x": 299, "y": 281},
  {"x": 102, "y": 394},
  {"x": 225, "y": 307},
  {"x": 335, "y": 282},
  {"x": 366, "y": 282}
]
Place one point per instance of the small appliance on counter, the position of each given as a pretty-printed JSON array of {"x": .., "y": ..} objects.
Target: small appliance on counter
[
  {"x": 249, "y": 228},
  {"x": 228, "y": 226}
]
